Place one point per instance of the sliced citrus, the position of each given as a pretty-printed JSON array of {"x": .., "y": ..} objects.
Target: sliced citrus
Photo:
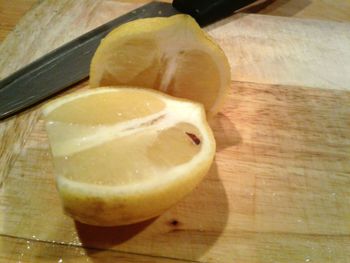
[
  {"x": 173, "y": 55},
  {"x": 123, "y": 155}
]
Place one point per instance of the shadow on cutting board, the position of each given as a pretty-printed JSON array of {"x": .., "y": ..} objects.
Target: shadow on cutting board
[
  {"x": 107, "y": 236},
  {"x": 225, "y": 132},
  {"x": 289, "y": 7}
]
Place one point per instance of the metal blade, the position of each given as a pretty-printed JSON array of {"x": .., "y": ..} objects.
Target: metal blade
[{"x": 65, "y": 65}]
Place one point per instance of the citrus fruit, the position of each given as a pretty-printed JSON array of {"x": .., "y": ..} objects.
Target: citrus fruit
[
  {"x": 123, "y": 155},
  {"x": 173, "y": 55}
]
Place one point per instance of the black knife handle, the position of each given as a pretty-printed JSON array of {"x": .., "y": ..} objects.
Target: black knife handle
[{"x": 208, "y": 11}]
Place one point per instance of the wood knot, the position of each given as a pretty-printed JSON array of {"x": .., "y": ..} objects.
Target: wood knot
[{"x": 174, "y": 222}]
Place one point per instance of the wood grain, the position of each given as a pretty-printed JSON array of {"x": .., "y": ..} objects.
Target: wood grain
[
  {"x": 336, "y": 10},
  {"x": 276, "y": 50},
  {"x": 279, "y": 188},
  {"x": 33, "y": 250},
  {"x": 11, "y": 12}
]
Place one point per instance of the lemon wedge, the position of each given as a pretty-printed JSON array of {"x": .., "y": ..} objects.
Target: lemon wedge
[
  {"x": 173, "y": 55},
  {"x": 123, "y": 155}
]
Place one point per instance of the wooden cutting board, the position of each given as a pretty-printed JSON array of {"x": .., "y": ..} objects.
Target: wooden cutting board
[{"x": 279, "y": 190}]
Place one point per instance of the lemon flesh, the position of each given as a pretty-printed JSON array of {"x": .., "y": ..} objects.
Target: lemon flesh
[
  {"x": 123, "y": 155},
  {"x": 173, "y": 55}
]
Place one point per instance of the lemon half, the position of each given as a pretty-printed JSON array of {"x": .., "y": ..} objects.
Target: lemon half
[
  {"x": 173, "y": 55},
  {"x": 123, "y": 155}
]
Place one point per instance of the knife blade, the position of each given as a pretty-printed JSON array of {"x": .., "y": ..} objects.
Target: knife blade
[{"x": 68, "y": 64}]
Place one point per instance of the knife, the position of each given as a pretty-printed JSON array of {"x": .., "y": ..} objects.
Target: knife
[{"x": 68, "y": 64}]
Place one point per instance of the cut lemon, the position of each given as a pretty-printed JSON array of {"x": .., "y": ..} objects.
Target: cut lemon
[
  {"x": 173, "y": 55},
  {"x": 123, "y": 155}
]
